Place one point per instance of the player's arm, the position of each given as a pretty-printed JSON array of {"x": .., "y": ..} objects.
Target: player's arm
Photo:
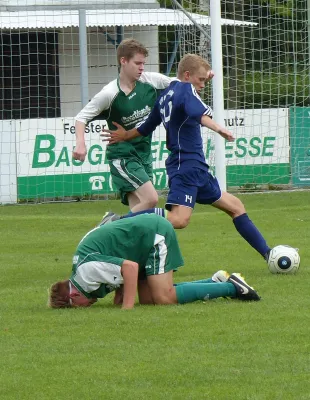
[
  {"x": 129, "y": 271},
  {"x": 157, "y": 80},
  {"x": 214, "y": 126},
  {"x": 146, "y": 128},
  {"x": 197, "y": 109},
  {"x": 80, "y": 150},
  {"x": 99, "y": 103},
  {"x": 118, "y": 296},
  {"x": 119, "y": 134}
]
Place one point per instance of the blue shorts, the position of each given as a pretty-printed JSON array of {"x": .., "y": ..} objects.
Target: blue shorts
[{"x": 193, "y": 186}]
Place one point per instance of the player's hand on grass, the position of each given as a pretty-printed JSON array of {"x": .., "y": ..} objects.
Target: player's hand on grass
[
  {"x": 79, "y": 152},
  {"x": 115, "y": 136},
  {"x": 119, "y": 295}
]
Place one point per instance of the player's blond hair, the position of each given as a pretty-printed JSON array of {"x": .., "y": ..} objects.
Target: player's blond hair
[
  {"x": 58, "y": 295},
  {"x": 191, "y": 63},
  {"x": 128, "y": 48}
]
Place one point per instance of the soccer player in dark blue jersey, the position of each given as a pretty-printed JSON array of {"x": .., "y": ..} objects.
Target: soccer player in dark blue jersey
[{"x": 182, "y": 112}]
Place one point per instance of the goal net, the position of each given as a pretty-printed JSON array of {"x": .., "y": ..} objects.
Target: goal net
[
  {"x": 47, "y": 71},
  {"x": 266, "y": 73}
]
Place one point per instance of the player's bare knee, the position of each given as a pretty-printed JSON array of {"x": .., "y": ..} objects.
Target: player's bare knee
[
  {"x": 165, "y": 297},
  {"x": 240, "y": 210},
  {"x": 164, "y": 301},
  {"x": 152, "y": 200},
  {"x": 181, "y": 222},
  {"x": 237, "y": 208},
  {"x": 144, "y": 301},
  {"x": 178, "y": 221}
]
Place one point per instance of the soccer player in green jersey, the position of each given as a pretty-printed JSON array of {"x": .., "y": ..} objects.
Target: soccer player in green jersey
[
  {"x": 126, "y": 100},
  {"x": 137, "y": 253}
]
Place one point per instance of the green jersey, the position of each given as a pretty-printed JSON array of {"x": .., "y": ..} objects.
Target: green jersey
[
  {"x": 100, "y": 254},
  {"x": 128, "y": 110}
]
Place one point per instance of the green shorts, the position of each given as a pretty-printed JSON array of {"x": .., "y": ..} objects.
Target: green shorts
[
  {"x": 165, "y": 255},
  {"x": 128, "y": 175}
]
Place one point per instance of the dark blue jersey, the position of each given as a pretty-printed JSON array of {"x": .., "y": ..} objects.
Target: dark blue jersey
[{"x": 180, "y": 109}]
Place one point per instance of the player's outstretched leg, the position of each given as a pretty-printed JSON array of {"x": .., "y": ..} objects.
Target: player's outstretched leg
[
  {"x": 245, "y": 227},
  {"x": 251, "y": 234},
  {"x": 193, "y": 291},
  {"x": 244, "y": 290},
  {"x": 219, "y": 276}
]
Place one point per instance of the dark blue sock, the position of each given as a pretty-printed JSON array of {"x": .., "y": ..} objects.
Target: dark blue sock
[
  {"x": 251, "y": 234},
  {"x": 158, "y": 211}
]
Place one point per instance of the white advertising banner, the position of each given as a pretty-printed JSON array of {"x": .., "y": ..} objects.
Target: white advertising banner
[
  {"x": 43, "y": 164},
  {"x": 44, "y": 146}
]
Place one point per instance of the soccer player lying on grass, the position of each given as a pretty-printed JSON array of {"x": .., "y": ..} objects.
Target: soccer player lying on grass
[
  {"x": 137, "y": 253},
  {"x": 182, "y": 113}
]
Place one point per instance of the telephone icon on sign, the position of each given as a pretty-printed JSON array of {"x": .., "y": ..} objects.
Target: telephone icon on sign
[{"x": 96, "y": 182}]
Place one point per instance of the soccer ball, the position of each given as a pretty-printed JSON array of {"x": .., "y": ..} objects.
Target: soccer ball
[{"x": 283, "y": 260}]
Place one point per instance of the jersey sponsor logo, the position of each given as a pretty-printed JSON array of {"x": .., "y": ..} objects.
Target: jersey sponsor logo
[
  {"x": 137, "y": 115},
  {"x": 131, "y": 96},
  {"x": 188, "y": 198}
]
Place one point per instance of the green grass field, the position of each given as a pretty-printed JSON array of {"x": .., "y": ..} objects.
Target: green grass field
[{"x": 214, "y": 350}]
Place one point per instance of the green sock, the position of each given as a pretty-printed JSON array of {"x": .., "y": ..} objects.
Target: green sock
[
  {"x": 208, "y": 280},
  {"x": 204, "y": 291}
]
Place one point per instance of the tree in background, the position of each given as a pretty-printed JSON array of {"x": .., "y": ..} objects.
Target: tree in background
[
  {"x": 267, "y": 66},
  {"x": 264, "y": 66}
]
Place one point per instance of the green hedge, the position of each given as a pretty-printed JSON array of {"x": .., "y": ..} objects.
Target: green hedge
[{"x": 258, "y": 89}]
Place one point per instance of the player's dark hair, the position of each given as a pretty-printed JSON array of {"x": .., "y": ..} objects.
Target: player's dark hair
[
  {"x": 128, "y": 48},
  {"x": 59, "y": 295},
  {"x": 191, "y": 63}
]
